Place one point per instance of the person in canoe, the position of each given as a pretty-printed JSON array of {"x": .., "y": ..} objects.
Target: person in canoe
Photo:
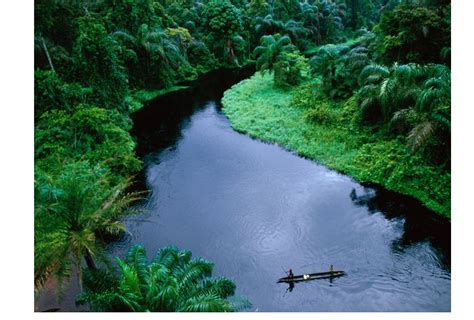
[
  {"x": 291, "y": 284},
  {"x": 290, "y": 275}
]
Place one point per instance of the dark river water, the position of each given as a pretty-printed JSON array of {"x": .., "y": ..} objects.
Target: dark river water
[{"x": 255, "y": 209}]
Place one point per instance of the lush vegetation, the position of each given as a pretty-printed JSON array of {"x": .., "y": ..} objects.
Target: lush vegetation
[
  {"x": 173, "y": 281},
  {"x": 95, "y": 63},
  {"x": 376, "y": 106},
  {"x": 360, "y": 85},
  {"x": 330, "y": 132}
]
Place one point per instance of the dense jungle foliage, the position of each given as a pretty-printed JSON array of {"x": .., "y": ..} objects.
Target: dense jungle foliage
[{"x": 96, "y": 61}]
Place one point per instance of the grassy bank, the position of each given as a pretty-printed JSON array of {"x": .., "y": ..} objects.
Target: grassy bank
[
  {"x": 138, "y": 98},
  {"x": 330, "y": 135}
]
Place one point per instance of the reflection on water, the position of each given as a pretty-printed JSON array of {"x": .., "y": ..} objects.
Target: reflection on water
[
  {"x": 255, "y": 209},
  {"x": 418, "y": 223}
]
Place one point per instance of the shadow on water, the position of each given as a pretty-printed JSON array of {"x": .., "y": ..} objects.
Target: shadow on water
[
  {"x": 159, "y": 124},
  {"x": 419, "y": 223},
  {"x": 292, "y": 284}
]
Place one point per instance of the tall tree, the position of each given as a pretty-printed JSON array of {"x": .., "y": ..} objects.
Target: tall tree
[
  {"x": 157, "y": 55},
  {"x": 131, "y": 14},
  {"x": 268, "y": 51},
  {"x": 413, "y": 33},
  {"x": 338, "y": 66},
  {"x": 74, "y": 211},
  {"x": 97, "y": 63},
  {"x": 286, "y": 9},
  {"x": 258, "y": 8},
  {"x": 88, "y": 130},
  {"x": 223, "y": 21},
  {"x": 413, "y": 100}
]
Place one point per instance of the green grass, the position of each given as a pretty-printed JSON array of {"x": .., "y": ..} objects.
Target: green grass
[
  {"x": 147, "y": 95},
  {"x": 138, "y": 98},
  {"x": 255, "y": 107}
]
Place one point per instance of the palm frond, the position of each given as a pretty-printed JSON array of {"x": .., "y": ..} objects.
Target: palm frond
[
  {"x": 124, "y": 36},
  {"x": 99, "y": 280},
  {"x": 168, "y": 295},
  {"x": 206, "y": 303},
  {"x": 130, "y": 281},
  {"x": 100, "y": 302},
  {"x": 399, "y": 120},
  {"x": 190, "y": 273},
  {"x": 442, "y": 120},
  {"x": 239, "y": 303},
  {"x": 222, "y": 287},
  {"x": 369, "y": 89},
  {"x": 284, "y": 41},
  {"x": 167, "y": 256},
  {"x": 136, "y": 258},
  {"x": 400, "y": 115},
  {"x": 419, "y": 135},
  {"x": 267, "y": 40},
  {"x": 377, "y": 72},
  {"x": 259, "y": 50},
  {"x": 358, "y": 55}
]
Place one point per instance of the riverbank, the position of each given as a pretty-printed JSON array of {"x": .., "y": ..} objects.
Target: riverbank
[{"x": 328, "y": 135}]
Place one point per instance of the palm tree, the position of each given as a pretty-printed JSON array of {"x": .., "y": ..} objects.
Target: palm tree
[
  {"x": 268, "y": 51},
  {"x": 295, "y": 30},
  {"x": 338, "y": 66},
  {"x": 173, "y": 281},
  {"x": 412, "y": 99},
  {"x": 329, "y": 16},
  {"x": 267, "y": 26},
  {"x": 432, "y": 108},
  {"x": 74, "y": 213},
  {"x": 155, "y": 50},
  {"x": 388, "y": 90},
  {"x": 310, "y": 17},
  {"x": 325, "y": 62}
]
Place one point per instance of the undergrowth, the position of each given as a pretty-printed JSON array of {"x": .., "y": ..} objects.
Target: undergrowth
[{"x": 330, "y": 133}]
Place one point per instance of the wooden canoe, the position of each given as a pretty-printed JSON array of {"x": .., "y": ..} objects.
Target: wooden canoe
[{"x": 312, "y": 276}]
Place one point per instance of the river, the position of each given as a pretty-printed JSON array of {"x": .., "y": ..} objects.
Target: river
[{"x": 255, "y": 210}]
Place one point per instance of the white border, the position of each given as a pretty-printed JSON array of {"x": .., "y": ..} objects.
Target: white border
[{"x": 16, "y": 125}]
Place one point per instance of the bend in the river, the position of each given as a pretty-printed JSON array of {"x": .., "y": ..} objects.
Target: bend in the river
[{"x": 253, "y": 208}]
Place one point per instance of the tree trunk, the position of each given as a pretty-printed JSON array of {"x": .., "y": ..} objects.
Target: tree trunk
[
  {"x": 89, "y": 261},
  {"x": 47, "y": 54},
  {"x": 230, "y": 49}
]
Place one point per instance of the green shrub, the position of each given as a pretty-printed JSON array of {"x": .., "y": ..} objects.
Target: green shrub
[
  {"x": 290, "y": 69},
  {"x": 334, "y": 137},
  {"x": 92, "y": 132},
  {"x": 321, "y": 114}
]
